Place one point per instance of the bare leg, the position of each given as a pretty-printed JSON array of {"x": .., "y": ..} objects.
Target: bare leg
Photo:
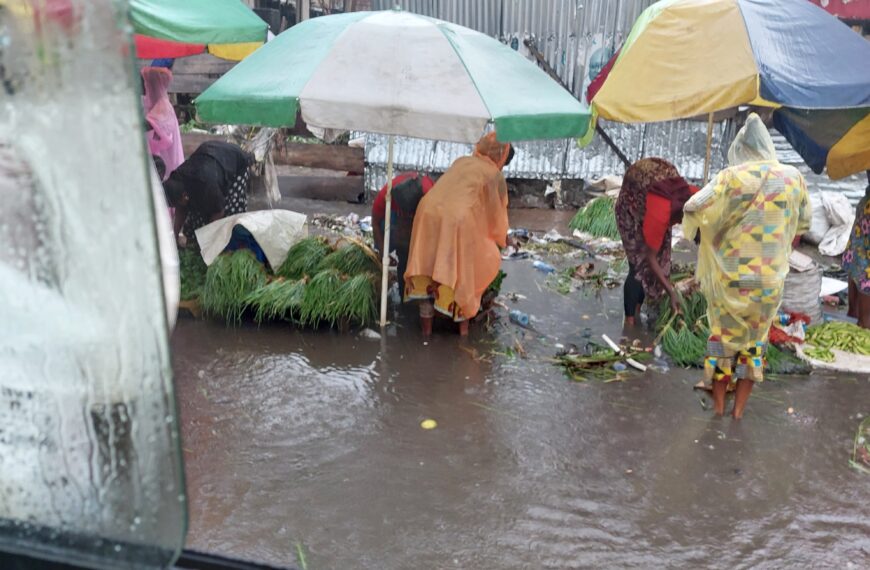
[
  {"x": 744, "y": 388},
  {"x": 853, "y": 300},
  {"x": 427, "y": 315},
  {"x": 863, "y": 304},
  {"x": 463, "y": 328},
  {"x": 720, "y": 388}
]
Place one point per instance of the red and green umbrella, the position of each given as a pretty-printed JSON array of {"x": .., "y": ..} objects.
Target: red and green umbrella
[{"x": 178, "y": 28}]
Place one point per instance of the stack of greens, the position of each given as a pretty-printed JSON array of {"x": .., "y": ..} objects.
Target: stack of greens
[
  {"x": 597, "y": 218},
  {"x": 230, "y": 279},
  {"x": 684, "y": 335},
  {"x": 840, "y": 335},
  {"x": 321, "y": 285},
  {"x": 192, "y": 270}
]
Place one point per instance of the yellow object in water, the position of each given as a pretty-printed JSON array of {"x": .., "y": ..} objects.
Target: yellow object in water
[{"x": 429, "y": 424}]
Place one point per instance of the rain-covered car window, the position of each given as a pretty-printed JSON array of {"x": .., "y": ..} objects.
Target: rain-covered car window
[{"x": 90, "y": 464}]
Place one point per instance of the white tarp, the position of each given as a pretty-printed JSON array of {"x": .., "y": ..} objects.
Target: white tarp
[{"x": 276, "y": 231}]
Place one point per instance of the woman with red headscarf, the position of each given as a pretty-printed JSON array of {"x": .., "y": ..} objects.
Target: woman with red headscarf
[{"x": 459, "y": 228}]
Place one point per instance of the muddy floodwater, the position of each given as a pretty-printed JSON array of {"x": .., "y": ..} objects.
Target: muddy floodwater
[{"x": 312, "y": 440}]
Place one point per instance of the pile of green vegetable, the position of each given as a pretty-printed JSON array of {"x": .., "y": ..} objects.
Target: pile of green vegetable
[
  {"x": 192, "y": 270},
  {"x": 840, "y": 335},
  {"x": 597, "y": 218},
  {"x": 230, "y": 279},
  {"x": 319, "y": 284},
  {"x": 684, "y": 335}
]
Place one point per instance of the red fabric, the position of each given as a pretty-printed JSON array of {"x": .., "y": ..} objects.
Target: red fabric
[
  {"x": 379, "y": 206},
  {"x": 596, "y": 84},
  {"x": 656, "y": 221},
  {"x": 153, "y": 48},
  {"x": 846, "y": 9}
]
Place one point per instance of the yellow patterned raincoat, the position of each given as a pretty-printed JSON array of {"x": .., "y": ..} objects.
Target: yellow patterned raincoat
[{"x": 748, "y": 216}]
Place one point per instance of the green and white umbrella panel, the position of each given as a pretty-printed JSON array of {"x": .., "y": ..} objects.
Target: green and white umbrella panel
[{"x": 394, "y": 73}]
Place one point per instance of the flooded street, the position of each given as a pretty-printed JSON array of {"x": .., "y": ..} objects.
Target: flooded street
[{"x": 312, "y": 440}]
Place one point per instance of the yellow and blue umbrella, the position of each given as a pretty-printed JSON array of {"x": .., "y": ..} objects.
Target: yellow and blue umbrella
[{"x": 685, "y": 58}]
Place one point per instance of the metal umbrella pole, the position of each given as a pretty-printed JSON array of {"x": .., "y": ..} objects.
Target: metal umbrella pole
[{"x": 385, "y": 273}]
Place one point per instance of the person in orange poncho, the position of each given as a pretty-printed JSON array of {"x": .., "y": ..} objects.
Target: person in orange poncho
[{"x": 459, "y": 228}]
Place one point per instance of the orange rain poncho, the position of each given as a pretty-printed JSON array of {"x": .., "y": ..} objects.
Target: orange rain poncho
[{"x": 458, "y": 230}]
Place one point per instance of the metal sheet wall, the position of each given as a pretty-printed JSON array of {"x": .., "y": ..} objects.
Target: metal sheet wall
[{"x": 576, "y": 38}]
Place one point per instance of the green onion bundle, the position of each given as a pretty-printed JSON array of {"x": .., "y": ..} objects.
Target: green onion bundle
[
  {"x": 319, "y": 298},
  {"x": 597, "y": 218},
  {"x": 684, "y": 336},
  {"x": 280, "y": 299},
  {"x": 352, "y": 258},
  {"x": 685, "y": 346},
  {"x": 192, "y": 270},
  {"x": 228, "y": 282},
  {"x": 304, "y": 258},
  {"x": 355, "y": 300}
]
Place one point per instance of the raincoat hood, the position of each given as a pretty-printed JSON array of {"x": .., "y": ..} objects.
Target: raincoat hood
[
  {"x": 164, "y": 134},
  {"x": 752, "y": 143},
  {"x": 489, "y": 148},
  {"x": 156, "y": 81}
]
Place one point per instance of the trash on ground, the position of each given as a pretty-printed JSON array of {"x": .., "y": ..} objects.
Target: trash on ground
[
  {"x": 861, "y": 449},
  {"x": 428, "y": 424},
  {"x": 596, "y": 362}
]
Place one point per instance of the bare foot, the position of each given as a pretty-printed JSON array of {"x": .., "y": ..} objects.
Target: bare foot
[{"x": 629, "y": 321}]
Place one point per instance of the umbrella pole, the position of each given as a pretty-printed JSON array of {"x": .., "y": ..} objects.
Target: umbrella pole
[
  {"x": 388, "y": 214},
  {"x": 709, "y": 147}
]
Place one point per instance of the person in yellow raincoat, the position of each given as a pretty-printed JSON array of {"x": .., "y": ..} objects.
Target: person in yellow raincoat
[
  {"x": 748, "y": 216},
  {"x": 459, "y": 228}
]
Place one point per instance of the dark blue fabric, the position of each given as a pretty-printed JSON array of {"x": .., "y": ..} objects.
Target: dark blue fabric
[
  {"x": 243, "y": 239},
  {"x": 807, "y": 58},
  {"x": 166, "y": 62},
  {"x": 814, "y": 154},
  {"x": 814, "y": 133}
]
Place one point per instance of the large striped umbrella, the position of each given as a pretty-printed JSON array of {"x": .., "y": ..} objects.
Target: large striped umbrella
[
  {"x": 394, "y": 73},
  {"x": 685, "y": 58},
  {"x": 178, "y": 28}
]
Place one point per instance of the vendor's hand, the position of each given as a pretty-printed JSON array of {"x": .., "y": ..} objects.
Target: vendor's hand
[
  {"x": 181, "y": 240},
  {"x": 675, "y": 302}
]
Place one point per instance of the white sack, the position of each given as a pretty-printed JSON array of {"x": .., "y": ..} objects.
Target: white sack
[{"x": 276, "y": 231}]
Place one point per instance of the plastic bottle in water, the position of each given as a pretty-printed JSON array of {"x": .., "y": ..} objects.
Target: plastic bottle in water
[
  {"x": 520, "y": 318},
  {"x": 544, "y": 267}
]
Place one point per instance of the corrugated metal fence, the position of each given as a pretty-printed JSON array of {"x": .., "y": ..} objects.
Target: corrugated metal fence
[{"x": 577, "y": 38}]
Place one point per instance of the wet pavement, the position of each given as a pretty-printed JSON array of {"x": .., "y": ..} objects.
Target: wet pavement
[{"x": 312, "y": 440}]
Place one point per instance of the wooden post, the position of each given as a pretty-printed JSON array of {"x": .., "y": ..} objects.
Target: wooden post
[
  {"x": 304, "y": 10},
  {"x": 385, "y": 274},
  {"x": 709, "y": 147}
]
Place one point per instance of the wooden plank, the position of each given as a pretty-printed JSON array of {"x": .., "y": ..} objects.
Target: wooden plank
[
  {"x": 335, "y": 188},
  {"x": 330, "y": 157},
  {"x": 190, "y": 84}
]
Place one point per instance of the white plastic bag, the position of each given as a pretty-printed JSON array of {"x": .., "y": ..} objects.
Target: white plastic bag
[
  {"x": 276, "y": 231},
  {"x": 801, "y": 292},
  {"x": 841, "y": 217},
  {"x": 819, "y": 225}
]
